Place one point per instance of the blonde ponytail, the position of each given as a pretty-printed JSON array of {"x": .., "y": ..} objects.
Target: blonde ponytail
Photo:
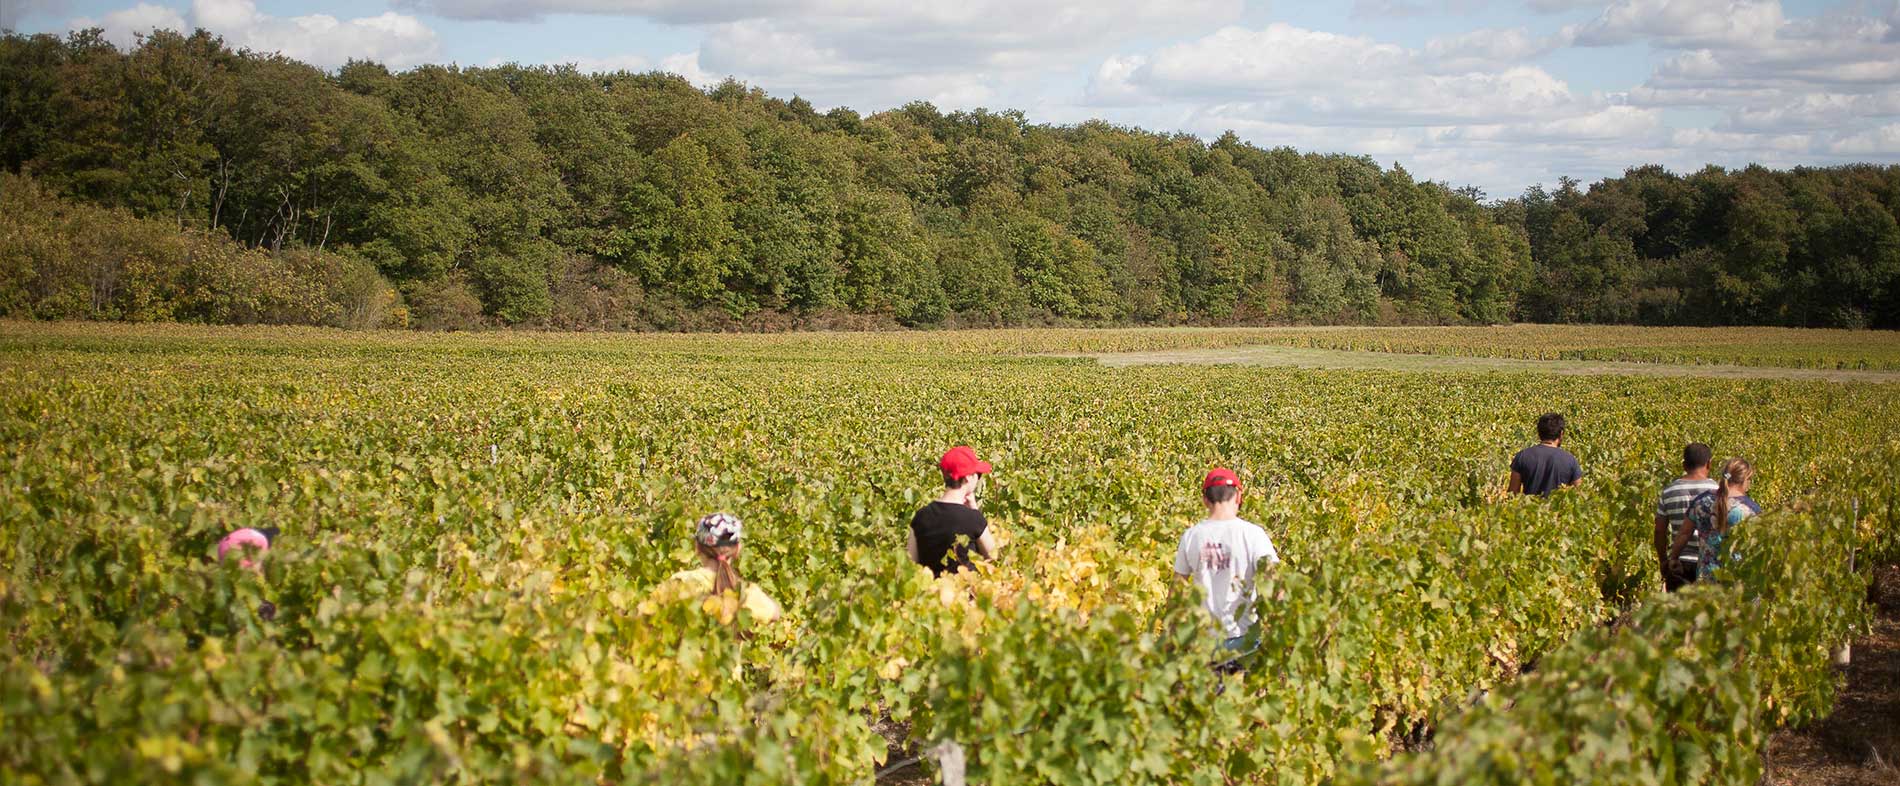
[
  {"x": 725, "y": 573},
  {"x": 1735, "y": 471}
]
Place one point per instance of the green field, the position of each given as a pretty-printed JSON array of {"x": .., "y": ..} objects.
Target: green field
[{"x": 473, "y": 524}]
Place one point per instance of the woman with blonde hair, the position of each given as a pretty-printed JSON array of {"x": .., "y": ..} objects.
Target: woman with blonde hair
[
  {"x": 1712, "y": 515},
  {"x": 717, "y": 542}
]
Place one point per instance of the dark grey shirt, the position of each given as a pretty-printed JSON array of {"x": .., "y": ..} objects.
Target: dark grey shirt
[{"x": 1544, "y": 469}]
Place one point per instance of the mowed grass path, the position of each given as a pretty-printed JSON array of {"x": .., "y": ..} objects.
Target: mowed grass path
[
  {"x": 1309, "y": 358},
  {"x": 1856, "y": 350}
]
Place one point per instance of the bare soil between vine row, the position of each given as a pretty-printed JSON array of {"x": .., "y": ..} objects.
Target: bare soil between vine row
[
  {"x": 1302, "y": 357},
  {"x": 1859, "y": 743}
]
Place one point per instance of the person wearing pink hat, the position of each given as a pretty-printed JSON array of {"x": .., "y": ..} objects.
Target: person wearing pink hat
[
  {"x": 944, "y": 532},
  {"x": 1221, "y": 554},
  {"x": 245, "y": 541}
]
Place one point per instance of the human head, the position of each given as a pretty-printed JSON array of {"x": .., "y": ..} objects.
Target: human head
[
  {"x": 245, "y": 539},
  {"x": 1220, "y": 485},
  {"x": 1550, "y": 427},
  {"x": 1737, "y": 474},
  {"x": 960, "y": 465},
  {"x": 1735, "y": 479},
  {"x": 716, "y": 539},
  {"x": 1696, "y": 456}
]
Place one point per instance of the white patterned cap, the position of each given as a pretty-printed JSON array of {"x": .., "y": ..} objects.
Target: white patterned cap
[{"x": 719, "y": 529}]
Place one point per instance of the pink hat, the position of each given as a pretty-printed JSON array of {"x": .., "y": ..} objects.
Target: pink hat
[{"x": 244, "y": 537}]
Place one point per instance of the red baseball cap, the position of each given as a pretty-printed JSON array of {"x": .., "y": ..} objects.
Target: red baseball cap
[
  {"x": 1220, "y": 476},
  {"x": 961, "y": 462}
]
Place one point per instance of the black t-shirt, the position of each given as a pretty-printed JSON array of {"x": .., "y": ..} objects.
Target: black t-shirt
[
  {"x": 946, "y": 534},
  {"x": 1544, "y": 469}
]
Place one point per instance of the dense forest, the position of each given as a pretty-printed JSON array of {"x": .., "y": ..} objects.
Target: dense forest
[{"x": 185, "y": 180}]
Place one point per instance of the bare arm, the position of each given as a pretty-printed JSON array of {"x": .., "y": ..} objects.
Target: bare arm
[
  {"x": 1682, "y": 539},
  {"x": 1663, "y": 540},
  {"x": 986, "y": 544},
  {"x": 1515, "y": 484},
  {"x": 910, "y": 546}
]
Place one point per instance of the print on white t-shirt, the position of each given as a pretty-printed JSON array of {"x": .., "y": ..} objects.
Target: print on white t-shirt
[{"x": 1222, "y": 557}]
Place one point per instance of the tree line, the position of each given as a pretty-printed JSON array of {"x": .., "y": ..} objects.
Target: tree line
[{"x": 543, "y": 196}]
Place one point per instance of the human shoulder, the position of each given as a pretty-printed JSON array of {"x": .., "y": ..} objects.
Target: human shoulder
[
  {"x": 684, "y": 584},
  {"x": 1258, "y": 534},
  {"x": 1523, "y": 458},
  {"x": 762, "y": 606}
]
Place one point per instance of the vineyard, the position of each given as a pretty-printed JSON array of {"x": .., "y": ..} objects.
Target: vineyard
[{"x": 473, "y": 527}]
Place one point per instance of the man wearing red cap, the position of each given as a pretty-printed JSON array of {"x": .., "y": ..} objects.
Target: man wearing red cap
[
  {"x": 1221, "y": 553},
  {"x": 944, "y": 532}
]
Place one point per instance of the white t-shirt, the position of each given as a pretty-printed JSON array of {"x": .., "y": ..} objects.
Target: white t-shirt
[{"x": 1222, "y": 556}]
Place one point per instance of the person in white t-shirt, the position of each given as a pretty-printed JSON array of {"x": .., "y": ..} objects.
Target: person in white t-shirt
[{"x": 1221, "y": 555}]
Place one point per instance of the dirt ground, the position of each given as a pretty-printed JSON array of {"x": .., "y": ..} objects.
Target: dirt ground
[
  {"x": 1859, "y": 744},
  {"x": 1298, "y": 357},
  {"x": 897, "y": 750}
]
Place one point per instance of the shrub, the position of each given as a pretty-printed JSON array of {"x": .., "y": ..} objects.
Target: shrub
[
  {"x": 444, "y": 304},
  {"x": 61, "y": 260}
]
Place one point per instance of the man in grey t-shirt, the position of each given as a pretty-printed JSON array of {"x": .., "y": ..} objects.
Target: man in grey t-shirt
[{"x": 1221, "y": 554}]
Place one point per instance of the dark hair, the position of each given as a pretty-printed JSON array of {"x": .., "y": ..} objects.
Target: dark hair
[
  {"x": 1222, "y": 493},
  {"x": 1550, "y": 426},
  {"x": 1696, "y": 456},
  {"x": 950, "y": 482}
]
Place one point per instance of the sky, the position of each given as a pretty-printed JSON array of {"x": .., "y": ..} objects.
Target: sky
[{"x": 1500, "y": 94}]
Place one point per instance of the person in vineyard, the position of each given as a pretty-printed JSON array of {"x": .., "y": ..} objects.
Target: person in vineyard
[
  {"x": 1671, "y": 507},
  {"x": 945, "y": 532},
  {"x": 1545, "y": 467},
  {"x": 717, "y": 542},
  {"x": 1712, "y": 515},
  {"x": 245, "y": 543},
  {"x": 1221, "y": 554}
]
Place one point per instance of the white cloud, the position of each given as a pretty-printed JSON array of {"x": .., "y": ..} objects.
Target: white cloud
[
  {"x": 1782, "y": 84},
  {"x": 1468, "y": 109},
  {"x": 394, "y": 39},
  {"x": 687, "y": 65},
  {"x": 1334, "y": 79},
  {"x": 123, "y": 27},
  {"x": 1386, "y": 9},
  {"x": 1681, "y": 23},
  {"x": 13, "y": 11},
  {"x": 1884, "y": 141},
  {"x": 671, "y": 11},
  {"x": 872, "y": 53},
  {"x": 1560, "y": 6},
  {"x": 1484, "y": 49},
  {"x": 609, "y": 64}
]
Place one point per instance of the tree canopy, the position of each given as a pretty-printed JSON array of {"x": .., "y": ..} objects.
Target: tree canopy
[{"x": 545, "y": 196}]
